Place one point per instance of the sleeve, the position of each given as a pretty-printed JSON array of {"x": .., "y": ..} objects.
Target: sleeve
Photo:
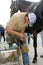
[{"x": 11, "y": 23}]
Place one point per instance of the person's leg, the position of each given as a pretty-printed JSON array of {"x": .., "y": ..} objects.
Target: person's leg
[
  {"x": 0, "y": 36},
  {"x": 25, "y": 57},
  {"x": 42, "y": 42},
  {"x": 3, "y": 36},
  {"x": 25, "y": 54}
]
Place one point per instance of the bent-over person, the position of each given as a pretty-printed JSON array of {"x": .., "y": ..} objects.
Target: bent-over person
[{"x": 15, "y": 28}]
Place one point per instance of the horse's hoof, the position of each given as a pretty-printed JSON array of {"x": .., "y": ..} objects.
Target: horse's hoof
[
  {"x": 34, "y": 61},
  {"x": 41, "y": 56}
]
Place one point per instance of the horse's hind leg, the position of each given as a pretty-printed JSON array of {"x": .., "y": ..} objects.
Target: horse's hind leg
[{"x": 35, "y": 49}]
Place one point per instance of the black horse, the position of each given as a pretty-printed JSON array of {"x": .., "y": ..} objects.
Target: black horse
[
  {"x": 35, "y": 29},
  {"x": 37, "y": 8}
]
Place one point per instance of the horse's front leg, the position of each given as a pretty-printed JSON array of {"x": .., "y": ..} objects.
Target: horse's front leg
[{"x": 35, "y": 47}]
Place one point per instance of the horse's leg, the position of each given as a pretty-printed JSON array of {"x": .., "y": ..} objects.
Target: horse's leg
[{"x": 35, "y": 48}]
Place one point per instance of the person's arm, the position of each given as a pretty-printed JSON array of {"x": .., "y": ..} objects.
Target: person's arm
[
  {"x": 23, "y": 30},
  {"x": 11, "y": 31}
]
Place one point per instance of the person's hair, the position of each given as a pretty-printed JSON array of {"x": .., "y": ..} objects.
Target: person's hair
[{"x": 26, "y": 15}]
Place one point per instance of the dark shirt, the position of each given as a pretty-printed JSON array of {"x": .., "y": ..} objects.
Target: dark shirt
[{"x": 2, "y": 30}]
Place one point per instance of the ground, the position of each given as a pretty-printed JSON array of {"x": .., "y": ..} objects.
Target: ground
[{"x": 31, "y": 52}]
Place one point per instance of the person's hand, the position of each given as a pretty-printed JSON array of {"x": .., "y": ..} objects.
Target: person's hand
[{"x": 22, "y": 36}]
